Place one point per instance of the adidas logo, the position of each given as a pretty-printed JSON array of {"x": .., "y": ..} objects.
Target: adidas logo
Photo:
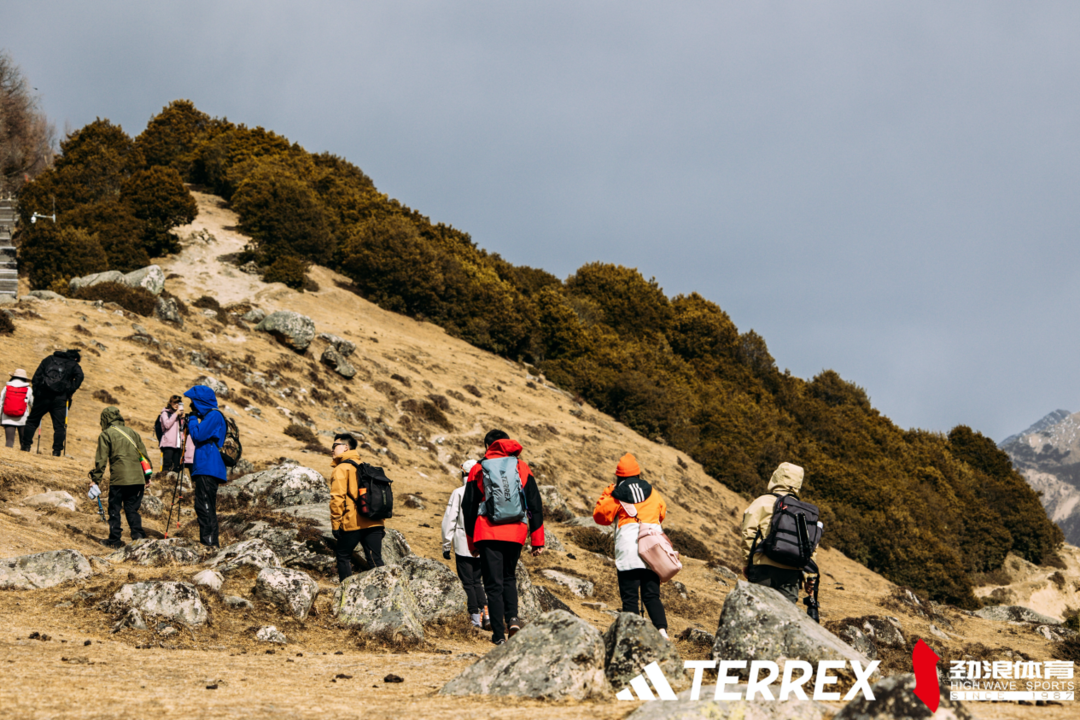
[{"x": 640, "y": 686}]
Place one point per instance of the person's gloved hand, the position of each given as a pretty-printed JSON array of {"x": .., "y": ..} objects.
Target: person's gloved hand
[
  {"x": 446, "y": 554},
  {"x": 336, "y": 534}
]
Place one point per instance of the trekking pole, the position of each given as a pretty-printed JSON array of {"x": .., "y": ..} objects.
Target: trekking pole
[
  {"x": 67, "y": 410},
  {"x": 39, "y": 440},
  {"x": 176, "y": 488}
]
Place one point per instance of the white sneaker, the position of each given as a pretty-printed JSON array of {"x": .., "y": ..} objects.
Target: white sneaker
[{"x": 663, "y": 634}]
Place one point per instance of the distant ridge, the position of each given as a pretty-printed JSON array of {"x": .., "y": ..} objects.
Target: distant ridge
[{"x": 1046, "y": 422}]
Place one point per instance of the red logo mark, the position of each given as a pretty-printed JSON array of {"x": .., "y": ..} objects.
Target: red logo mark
[{"x": 924, "y": 661}]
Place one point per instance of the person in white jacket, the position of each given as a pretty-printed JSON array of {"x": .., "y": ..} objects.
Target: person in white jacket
[
  {"x": 468, "y": 566},
  {"x": 17, "y": 395}
]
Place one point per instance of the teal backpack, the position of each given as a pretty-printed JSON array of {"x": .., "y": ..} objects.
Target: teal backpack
[{"x": 504, "y": 498}]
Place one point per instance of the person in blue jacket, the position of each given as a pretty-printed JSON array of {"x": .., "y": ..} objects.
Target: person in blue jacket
[{"x": 206, "y": 428}]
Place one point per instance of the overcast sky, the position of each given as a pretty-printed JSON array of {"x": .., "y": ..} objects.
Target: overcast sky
[{"x": 885, "y": 189}]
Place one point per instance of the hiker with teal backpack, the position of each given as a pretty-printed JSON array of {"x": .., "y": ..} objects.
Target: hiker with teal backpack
[
  {"x": 502, "y": 509},
  {"x": 123, "y": 451},
  {"x": 207, "y": 429}
]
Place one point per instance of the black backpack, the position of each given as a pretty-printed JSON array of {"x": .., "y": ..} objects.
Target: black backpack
[
  {"x": 794, "y": 532},
  {"x": 378, "y": 502},
  {"x": 230, "y": 449},
  {"x": 56, "y": 373},
  {"x": 158, "y": 430}
]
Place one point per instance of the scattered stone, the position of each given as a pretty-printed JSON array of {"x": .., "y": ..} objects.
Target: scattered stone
[
  {"x": 152, "y": 505},
  {"x": 150, "y": 277},
  {"x": 246, "y": 553},
  {"x": 168, "y": 310},
  {"x": 631, "y": 643},
  {"x": 556, "y": 656},
  {"x": 218, "y": 386},
  {"x": 209, "y": 579},
  {"x": 290, "y": 590},
  {"x": 555, "y": 506},
  {"x": 343, "y": 346},
  {"x": 576, "y": 585},
  {"x": 337, "y": 362},
  {"x": 758, "y": 623},
  {"x": 595, "y": 605},
  {"x": 1011, "y": 613},
  {"x": 43, "y": 570},
  {"x": 199, "y": 359},
  {"x": 280, "y": 486},
  {"x": 132, "y": 619},
  {"x": 859, "y": 640},
  {"x": 680, "y": 589},
  {"x": 46, "y": 295},
  {"x": 415, "y": 502},
  {"x": 883, "y": 631},
  {"x": 254, "y": 315},
  {"x": 157, "y": 553},
  {"x": 176, "y": 601},
  {"x": 549, "y": 601},
  {"x": 724, "y": 572},
  {"x": 291, "y": 329},
  {"x": 379, "y": 602},
  {"x": 435, "y": 587},
  {"x": 895, "y": 699},
  {"x": 270, "y": 634},
  {"x": 237, "y": 602},
  {"x": 392, "y": 678},
  {"x": 586, "y": 521},
  {"x": 56, "y": 498}
]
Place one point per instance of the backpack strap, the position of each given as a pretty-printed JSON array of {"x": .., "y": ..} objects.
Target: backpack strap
[
  {"x": 128, "y": 438},
  {"x": 630, "y": 510},
  {"x": 357, "y": 466}
]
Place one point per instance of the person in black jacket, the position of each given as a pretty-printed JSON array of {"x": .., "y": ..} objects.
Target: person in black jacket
[{"x": 55, "y": 382}]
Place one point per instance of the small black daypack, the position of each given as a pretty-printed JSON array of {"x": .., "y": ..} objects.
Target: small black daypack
[
  {"x": 794, "y": 532},
  {"x": 378, "y": 502},
  {"x": 56, "y": 374},
  {"x": 158, "y": 430}
]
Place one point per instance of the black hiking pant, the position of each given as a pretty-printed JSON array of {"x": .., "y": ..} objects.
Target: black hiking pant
[
  {"x": 646, "y": 583},
  {"x": 127, "y": 498},
  {"x": 498, "y": 565},
  {"x": 786, "y": 582},
  {"x": 370, "y": 539},
  {"x": 472, "y": 579},
  {"x": 206, "y": 487},
  {"x": 170, "y": 459},
  {"x": 56, "y": 407}
]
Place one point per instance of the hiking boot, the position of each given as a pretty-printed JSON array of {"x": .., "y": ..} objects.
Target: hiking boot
[
  {"x": 112, "y": 543},
  {"x": 500, "y": 641},
  {"x": 663, "y": 633},
  {"x": 515, "y": 625}
]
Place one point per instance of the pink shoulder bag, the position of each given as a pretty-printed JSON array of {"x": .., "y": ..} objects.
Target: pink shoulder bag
[{"x": 654, "y": 547}]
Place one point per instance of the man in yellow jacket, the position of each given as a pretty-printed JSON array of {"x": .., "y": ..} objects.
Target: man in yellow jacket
[
  {"x": 756, "y": 520},
  {"x": 350, "y": 528}
]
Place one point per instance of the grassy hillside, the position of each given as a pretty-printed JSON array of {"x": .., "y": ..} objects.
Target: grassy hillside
[{"x": 923, "y": 509}]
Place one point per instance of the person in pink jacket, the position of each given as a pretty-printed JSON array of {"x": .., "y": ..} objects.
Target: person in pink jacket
[{"x": 172, "y": 422}]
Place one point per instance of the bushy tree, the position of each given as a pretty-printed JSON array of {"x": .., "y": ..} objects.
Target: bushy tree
[
  {"x": 629, "y": 303},
  {"x": 157, "y": 196},
  {"x": 391, "y": 264},
  {"x": 289, "y": 270},
  {"x": 26, "y": 135},
  {"x": 120, "y": 232},
  {"x": 171, "y": 136},
  {"x": 283, "y": 215},
  {"x": 48, "y": 253}
]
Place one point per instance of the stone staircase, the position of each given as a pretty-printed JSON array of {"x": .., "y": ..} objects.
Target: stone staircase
[{"x": 9, "y": 273}]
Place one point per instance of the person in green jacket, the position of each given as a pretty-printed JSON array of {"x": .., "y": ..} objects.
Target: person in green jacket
[{"x": 123, "y": 450}]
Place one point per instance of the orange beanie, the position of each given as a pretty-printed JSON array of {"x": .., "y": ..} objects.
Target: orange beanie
[{"x": 627, "y": 467}]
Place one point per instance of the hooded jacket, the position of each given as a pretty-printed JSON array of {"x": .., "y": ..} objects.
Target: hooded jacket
[
  {"x": 651, "y": 510},
  {"x": 207, "y": 429},
  {"x": 344, "y": 489},
  {"x": 786, "y": 480},
  {"x": 477, "y": 527},
  {"x": 10, "y": 419},
  {"x": 170, "y": 423},
  {"x": 73, "y": 376},
  {"x": 121, "y": 448},
  {"x": 453, "y": 522}
]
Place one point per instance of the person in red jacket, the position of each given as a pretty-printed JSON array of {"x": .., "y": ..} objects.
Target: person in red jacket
[{"x": 499, "y": 540}]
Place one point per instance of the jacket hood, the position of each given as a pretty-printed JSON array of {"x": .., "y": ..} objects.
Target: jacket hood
[
  {"x": 787, "y": 478},
  {"x": 18, "y": 382},
  {"x": 111, "y": 416},
  {"x": 69, "y": 355},
  {"x": 503, "y": 448},
  {"x": 203, "y": 398},
  {"x": 466, "y": 470},
  {"x": 631, "y": 490},
  {"x": 353, "y": 455}
]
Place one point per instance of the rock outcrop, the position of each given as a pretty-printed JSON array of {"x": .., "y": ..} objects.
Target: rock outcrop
[
  {"x": 175, "y": 601},
  {"x": 1014, "y": 613},
  {"x": 579, "y": 586},
  {"x": 436, "y": 588},
  {"x": 895, "y": 699},
  {"x": 43, "y": 570},
  {"x": 380, "y": 603},
  {"x": 158, "y": 553},
  {"x": 631, "y": 643},
  {"x": 280, "y": 486},
  {"x": 56, "y": 498},
  {"x": 255, "y": 554},
  {"x": 151, "y": 277},
  {"x": 291, "y": 329},
  {"x": 337, "y": 362},
  {"x": 292, "y": 591}
]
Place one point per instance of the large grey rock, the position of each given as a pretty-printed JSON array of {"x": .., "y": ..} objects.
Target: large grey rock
[
  {"x": 380, "y": 603},
  {"x": 343, "y": 346},
  {"x": 43, "y": 570},
  {"x": 176, "y": 601},
  {"x": 758, "y": 623},
  {"x": 318, "y": 513},
  {"x": 549, "y": 601},
  {"x": 860, "y": 641},
  {"x": 270, "y": 634},
  {"x": 285, "y": 543},
  {"x": 55, "y": 498},
  {"x": 151, "y": 505},
  {"x": 395, "y": 548},
  {"x": 218, "y": 386},
  {"x": 883, "y": 631},
  {"x": 1013, "y": 613},
  {"x": 280, "y": 486},
  {"x": 631, "y": 643},
  {"x": 292, "y": 591},
  {"x": 150, "y": 277},
  {"x": 46, "y": 295},
  {"x": 337, "y": 362},
  {"x": 168, "y": 310},
  {"x": 79, "y": 283},
  {"x": 158, "y": 553},
  {"x": 291, "y": 329},
  {"x": 255, "y": 554},
  {"x": 705, "y": 708},
  {"x": 528, "y": 604},
  {"x": 580, "y": 587},
  {"x": 895, "y": 699},
  {"x": 557, "y": 656},
  {"x": 555, "y": 506},
  {"x": 437, "y": 589},
  {"x": 254, "y": 315}
]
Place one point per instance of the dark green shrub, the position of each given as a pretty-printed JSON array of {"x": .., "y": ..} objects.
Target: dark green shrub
[
  {"x": 171, "y": 136},
  {"x": 593, "y": 540},
  {"x": 48, "y": 252},
  {"x": 288, "y": 270},
  {"x": 687, "y": 544},
  {"x": 119, "y": 231},
  {"x": 104, "y": 396},
  {"x": 302, "y": 433},
  {"x": 7, "y": 325},
  {"x": 137, "y": 300},
  {"x": 283, "y": 215},
  {"x": 157, "y": 196},
  {"x": 427, "y": 412},
  {"x": 627, "y": 301}
]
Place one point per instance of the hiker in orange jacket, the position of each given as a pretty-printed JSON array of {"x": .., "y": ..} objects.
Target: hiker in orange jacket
[
  {"x": 499, "y": 542},
  {"x": 633, "y": 574}
]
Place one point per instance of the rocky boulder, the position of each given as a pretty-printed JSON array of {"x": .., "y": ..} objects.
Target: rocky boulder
[
  {"x": 79, "y": 283},
  {"x": 292, "y": 591},
  {"x": 337, "y": 362},
  {"x": 343, "y": 346},
  {"x": 379, "y": 602},
  {"x": 270, "y": 634},
  {"x": 286, "y": 545},
  {"x": 579, "y": 586},
  {"x": 549, "y": 601},
  {"x": 436, "y": 588},
  {"x": 883, "y": 631},
  {"x": 55, "y": 498},
  {"x": 151, "y": 505},
  {"x": 555, "y": 506},
  {"x": 697, "y": 636},
  {"x": 291, "y": 329},
  {"x": 168, "y": 310},
  {"x": 254, "y": 315},
  {"x": 175, "y": 601},
  {"x": 631, "y": 643},
  {"x": 1011, "y": 613},
  {"x": 395, "y": 548},
  {"x": 857, "y": 639},
  {"x": 528, "y": 605},
  {"x": 683, "y": 708},
  {"x": 158, "y": 553},
  {"x": 895, "y": 699},
  {"x": 254, "y": 554},
  {"x": 43, "y": 570},
  {"x": 557, "y": 656},
  {"x": 280, "y": 486},
  {"x": 151, "y": 277},
  {"x": 758, "y": 623},
  {"x": 218, "y": 386},
  {"x": 209, "y": 579}
]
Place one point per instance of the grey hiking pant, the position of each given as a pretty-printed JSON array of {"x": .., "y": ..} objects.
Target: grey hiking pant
[{"x": 786, "y": 582}]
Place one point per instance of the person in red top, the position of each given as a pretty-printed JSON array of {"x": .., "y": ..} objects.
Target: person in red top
[{"x": 499, "y": 543}]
